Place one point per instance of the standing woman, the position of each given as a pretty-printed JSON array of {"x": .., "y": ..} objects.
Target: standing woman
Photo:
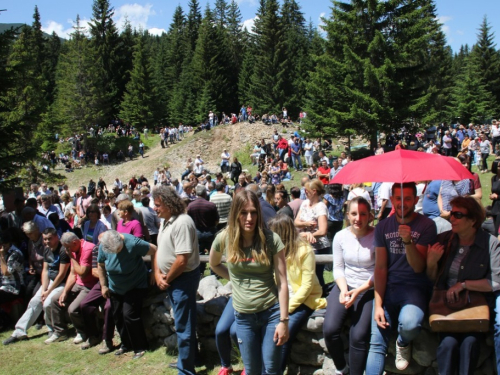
[
  {"x": 352, "y": 296},
  {"x": 485, "y": 148},
  {"x": 257, "y": 269},
  {"x": 313, "y": 218},
  {"x": 236, "y": 170}
]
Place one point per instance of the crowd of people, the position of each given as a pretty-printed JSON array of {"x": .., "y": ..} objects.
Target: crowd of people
[{"x": 108, "y": 244}]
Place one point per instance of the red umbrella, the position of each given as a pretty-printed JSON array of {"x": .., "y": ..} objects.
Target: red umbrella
[{"x": 402, "y": 166}]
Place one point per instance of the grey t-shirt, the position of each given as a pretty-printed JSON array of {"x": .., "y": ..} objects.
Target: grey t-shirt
[{"x": 177, "y": 236}]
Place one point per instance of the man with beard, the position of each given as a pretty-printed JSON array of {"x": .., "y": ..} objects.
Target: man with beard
[{"x": 401, "y": 286}]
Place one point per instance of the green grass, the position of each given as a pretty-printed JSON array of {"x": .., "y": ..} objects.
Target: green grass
[{"x": 35, "y": 357}]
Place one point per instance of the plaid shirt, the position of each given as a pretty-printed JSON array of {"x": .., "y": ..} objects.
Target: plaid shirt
[{"x": 15, "y": 267}]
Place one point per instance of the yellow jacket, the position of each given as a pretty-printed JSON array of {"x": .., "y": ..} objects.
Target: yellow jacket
[{"x": 304, "y": 282}]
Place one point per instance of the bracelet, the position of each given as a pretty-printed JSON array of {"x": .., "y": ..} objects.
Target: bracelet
[
  {"x": 284, "y": 320},
  {"x": 463, "y": 285}
]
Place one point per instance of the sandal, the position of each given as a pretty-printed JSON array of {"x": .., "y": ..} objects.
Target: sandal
[{"x": 138, "y": 355}]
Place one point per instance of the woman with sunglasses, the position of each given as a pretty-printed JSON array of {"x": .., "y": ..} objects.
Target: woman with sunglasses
[
  {"x": 313, "y": 218},
  {"x": 465, "y": 258},
  {"x": 256, "y": 267}
]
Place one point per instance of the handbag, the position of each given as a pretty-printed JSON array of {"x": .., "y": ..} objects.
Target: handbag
[{"x": 470, "y": 313}]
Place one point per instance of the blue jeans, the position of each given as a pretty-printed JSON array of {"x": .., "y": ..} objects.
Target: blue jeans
[
  {"x": 224, "y": 332},
  {"x": 297, "y": 320},
  {"x": 403, "y": 304},
  {"x": 297, "y": 162},
  {"x": 256, "y": 340},
  {"x": 496, "y": 330},
  {"x": 182, "y": 296}
]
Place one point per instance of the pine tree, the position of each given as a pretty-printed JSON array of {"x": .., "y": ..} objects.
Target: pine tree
[
  {"x": 52, "y": 52},
  {"x": 105, "y": 43},
  {"x": 78, "y": 98},
  {"x": 471, "y": 101},
  {"x": 375, "y": 70},
  {"x": 137, "y": 105},
  {"x": 21, "y": 104},
  {"x": 193, "y": 23},
  {"x": 488, "y": 61},
  {"x": 266, "y": 89}
]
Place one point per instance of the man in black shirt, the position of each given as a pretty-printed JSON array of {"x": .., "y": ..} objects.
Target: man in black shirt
[{"x": 56, "y": 264}]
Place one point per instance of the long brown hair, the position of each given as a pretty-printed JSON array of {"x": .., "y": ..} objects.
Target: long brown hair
[{"x": 232, "y": 237}]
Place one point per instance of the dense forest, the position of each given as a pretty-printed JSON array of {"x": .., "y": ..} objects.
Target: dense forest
[{"x": 374, "y": 66}]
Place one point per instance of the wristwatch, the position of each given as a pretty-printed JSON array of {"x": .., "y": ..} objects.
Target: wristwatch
[
  {"x": 407, "y": 243},
  {"x": 463, "y": 285}
]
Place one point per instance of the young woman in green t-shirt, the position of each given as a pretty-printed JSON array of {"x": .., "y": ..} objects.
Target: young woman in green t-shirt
[{"x": 257, "y": 269}]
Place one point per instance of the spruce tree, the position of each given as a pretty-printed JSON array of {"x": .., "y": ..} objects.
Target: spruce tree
[
  {"x": 471, "y": 101},
  {"x": 488, "y": 62},
  {"x": 266, "y": 88},
  {"x": 138, "y": 105},
  {"x": 78, "y": 97},
  {"x": 21, "y": 104},
  {"x": 104, "y": 40}
]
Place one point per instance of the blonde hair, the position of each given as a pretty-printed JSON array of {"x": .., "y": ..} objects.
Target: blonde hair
[
  {"x": 232, "y": 237},
  {"x": 316, "y": 185},
  {"x": 284, "y": 227}
]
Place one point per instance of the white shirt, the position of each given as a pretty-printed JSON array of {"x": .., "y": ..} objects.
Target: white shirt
[
  {"x": 385, "y": 192},
  {"x": 353, "y": 258},
  {"x": 225, "y": 156}
]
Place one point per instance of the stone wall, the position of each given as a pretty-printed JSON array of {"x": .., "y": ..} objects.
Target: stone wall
[{"x": 309, "y": 354}]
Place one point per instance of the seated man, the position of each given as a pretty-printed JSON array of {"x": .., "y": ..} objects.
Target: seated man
[
  {"x": 79, "y": 283},
  {"x": 401, "y": 285},
  {"x": 55, "y": 271}
]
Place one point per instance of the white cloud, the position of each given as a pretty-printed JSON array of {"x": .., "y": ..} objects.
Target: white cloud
[
  {"x": 460, "y": 32},
  {"x": 136, "y": 14},
  {"x": 320, "y": 21},
  {"x": 444, "y": 19},
  {"x": 444, "y": 27},
  {"x": 156, "y": 31},
  {"x": 249, "y": 23},
  {"x": 61, "y": 30}
]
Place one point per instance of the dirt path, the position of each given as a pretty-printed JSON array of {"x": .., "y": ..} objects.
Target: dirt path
[{"x": 208, "y": 144}]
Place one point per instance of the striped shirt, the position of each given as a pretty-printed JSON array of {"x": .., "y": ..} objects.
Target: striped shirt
[{"x": 223, "y": 203}]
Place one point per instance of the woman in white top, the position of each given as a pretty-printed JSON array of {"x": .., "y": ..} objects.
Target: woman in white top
[
  {"x": 358, "y": 190},
  {"x": 352, "y": 296},
  {"x": 313, "y": 217}
]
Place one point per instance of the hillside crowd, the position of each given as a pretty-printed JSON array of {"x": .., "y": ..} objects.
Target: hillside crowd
[{"x": 110, "y": 243}]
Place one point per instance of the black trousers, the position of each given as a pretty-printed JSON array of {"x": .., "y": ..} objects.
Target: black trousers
[{"x": 127, "y": 315}]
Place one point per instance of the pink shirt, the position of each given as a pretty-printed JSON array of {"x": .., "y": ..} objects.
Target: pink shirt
[
  {"x": 132, "y": 227},
  {"x": 84, "y": 258}
]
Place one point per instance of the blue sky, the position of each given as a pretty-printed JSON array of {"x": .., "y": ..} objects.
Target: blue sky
[{"x": 460, "y": 18}]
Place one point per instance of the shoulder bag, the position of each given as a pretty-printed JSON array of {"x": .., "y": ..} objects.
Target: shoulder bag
[{"x": 470, "y": 313}]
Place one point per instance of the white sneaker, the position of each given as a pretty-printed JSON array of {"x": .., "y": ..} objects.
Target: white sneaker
[
  {"x": 344, "y": 371},
  {"x": 403, "y": 356},
  {"x": 56, "y": 338},
  {"x": 79, "y": 339}
]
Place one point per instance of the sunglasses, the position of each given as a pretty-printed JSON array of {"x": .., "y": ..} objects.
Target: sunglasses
[{"x": 458, "y": 215}]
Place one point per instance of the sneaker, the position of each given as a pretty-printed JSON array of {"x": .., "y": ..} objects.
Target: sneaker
[
  {"x": 38, "y": 326},
  {"x": 106, "y": 347},
  {"x": 225, "y": 371},
  {"x": 79, "y": 338},
  {"x": 92, "y": 341},
  {"x": 56, "y": 338},
  {"x": 14, "y": 339},
  {"x": 344, "y": 371},
  {"x": 403, "y": 356}
]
